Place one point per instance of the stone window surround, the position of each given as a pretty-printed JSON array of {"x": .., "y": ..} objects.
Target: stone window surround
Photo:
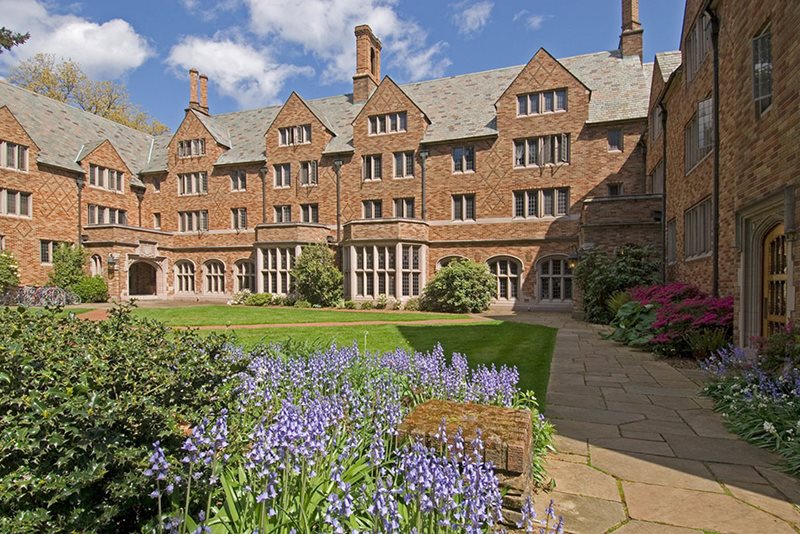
[
  {"x": 21, "y": 198},
  {"x": 4, "y": 146}
]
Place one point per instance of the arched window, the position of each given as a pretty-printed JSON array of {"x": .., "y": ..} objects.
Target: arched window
[
  {"x": 245, "y": 275},
  {"x": 555, "y": 280},
  {"x": 506, "y": 272},
  {"x": 96, "y": 265},
  {"x": 214, "y": 276},
  {"x": 184, "y": 276},
  {"x": 447, "y": 260}
]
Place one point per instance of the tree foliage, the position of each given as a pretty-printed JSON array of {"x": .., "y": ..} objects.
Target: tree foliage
[
  {"x": 65, "y": 81},
  {"x": 600, "y": 275},
  {"x": 316, "y": 277},
  {"x": 68, "y": 265},
  {"x": 461, "y": 286},
  {"x": 10, "y": 39},
  {"x": 9, "y": 271}
]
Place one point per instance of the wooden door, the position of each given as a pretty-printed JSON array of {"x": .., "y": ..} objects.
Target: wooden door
[{"x": 774, "y": 282}]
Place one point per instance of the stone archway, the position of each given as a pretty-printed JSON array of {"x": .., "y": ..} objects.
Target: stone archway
[{"x": 142, "y": 279}]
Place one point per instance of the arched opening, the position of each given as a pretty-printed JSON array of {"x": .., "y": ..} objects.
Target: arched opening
[
  {"x": 507, "y": 272},
  {"x": 184, "y": 276},
  {"x": 96, "y": 265},
  {"x": 555, "y": 280},
  {"x": 245, "y": 275},
  {"x": 142, "y": 279},
  {"x": 443, "y": 262},
  {"x": 214, "y": 276},
  {"x": 372, "y": 66},
  {"x": 774, "y": 281}
]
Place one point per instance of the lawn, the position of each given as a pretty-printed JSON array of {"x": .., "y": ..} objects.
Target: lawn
[
  {"x": 528, "y": 347},
  {"x": 245, "y": 315}
]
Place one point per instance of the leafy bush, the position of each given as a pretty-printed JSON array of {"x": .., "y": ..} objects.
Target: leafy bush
[
  {"x": 758, "y": 393},
  {"x": 316, "y": 277},
  {"x": 69, "y": 262},
  {"x": 616, "y": 301},
  {"x": 302, "y": 304},
  {"x": 240, "y": 297},
  {"x": 412, "y": 304},
  {"x": 382, "y": 302},
  {"x": 311, "y": 442},
  {"x": 600, "y": 275},
  {"x": 259, "y": 299},
  {"x": 91, "y": 289},
  {"x": 349, "y": 305},
  {"x": 80, "y": 404},
  {"x": 461, "y": 286},
  {"x": 9, "y": 271},
  {"x": 675, "y": 319},
  {"x": 367, "y": 305}
]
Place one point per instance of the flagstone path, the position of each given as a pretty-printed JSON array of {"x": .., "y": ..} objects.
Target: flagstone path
[{"x": 640, "y": 451}]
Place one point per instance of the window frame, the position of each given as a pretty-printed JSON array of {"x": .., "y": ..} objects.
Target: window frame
[
  {"x": 537, "y": 198},
  {"x": 185, "y": 277},
  {"x": 758, "y": 48},
  {"x": 21, "y": 198},
  {"x": 610, "y": 139},
  {"x": 309, "y": 213},
  {"x": 539, "y": 98},
  {"x": 239, "y": 218},
  {"x": 381, "y": 124},
  {"x": 197, "y": 218},
  {"x": 463, "y": 159},
  {"x": 282, "y": 213},
  {"x": 372, "y": 208},
  {"x": 555, "y": 147},
  {"x": 372, "y": 168},
  {"x": 696, "y": 238},
  {"x": 512, "y": 288},
  {"x": 299, "y": 134},
  {"x": 197, "y": 180},
  {"x": 21, "y": 153},
  {"x": 192, "y": 148},
  {"x": 309, "y": 173},
  {"x": 460, "y": 203},
  {"x": 407, "y": 208},
  {"x": 282, "y": 179},
  {"x": 405, "y": 158},
  {"x": 239, "y": 181},
  {"x": 565, "y": 274}
]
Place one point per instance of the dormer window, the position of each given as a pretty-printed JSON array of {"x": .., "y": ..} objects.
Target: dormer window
[
  {"x": 191, "y": 148},
  {"x": 389, "y": 123},
  {"x": 294, "y": 135},
  {"x": 541, "y": 102}
]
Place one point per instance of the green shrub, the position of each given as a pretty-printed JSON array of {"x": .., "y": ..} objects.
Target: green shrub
[
  {"x": 316, "y": 277},
  {"x": 9, "y": 271},
  {"x": 616, "y": 301},
  {"x": 412, "y": 304},
  {"x": 91, "y": 289},
  {"x": 240, "y": 297},
  {"x": 704, "y": 342},
  {"x": 349, "y": 305},
  {"x": 69, "y": 262},
  {"x": 302, "y": 304},
  {"x": 81, "y": 402},
  {"x": 382, "y": 302},
  {"x": 600, "y": 275},
  {"x": 461, "y": 286},
  {"x": 367, "y": 305},
  {"x": 258, "y": 299},
  {"x": 633, "y": 324}
]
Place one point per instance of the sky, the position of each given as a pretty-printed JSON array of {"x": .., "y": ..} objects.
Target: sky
[{"x": 256, "y": 52}]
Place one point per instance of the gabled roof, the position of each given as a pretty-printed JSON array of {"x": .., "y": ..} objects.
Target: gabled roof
[
  {"x": 667, "y": 63},
  {"x": 60, "y": 130},
  {"x": 386, "y": 81},
  {"x": 220, "y": 133}
]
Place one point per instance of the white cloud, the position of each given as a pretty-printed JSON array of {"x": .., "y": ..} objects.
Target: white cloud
[
  {"x": 471, "y": 18},
  {"x": 208, "y": 11},
  {"x": 104, "y": 50},
  {"x": 533, "y": 22},
  {"x": 247, "y": 74},
  {"x": 324, "y": 28}
]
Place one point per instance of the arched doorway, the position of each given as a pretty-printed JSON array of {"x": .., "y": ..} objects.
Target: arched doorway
[
  {"x": 142, "y": 279},
  {"x": 773, "y": 281}
]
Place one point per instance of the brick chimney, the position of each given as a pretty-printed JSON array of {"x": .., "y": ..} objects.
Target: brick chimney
[
  {"x": 368, "y": 63},
  {"x": 194, "y": 103},
  {"x": 630, "y": 41},
  {"x": 204, "y": 93}
]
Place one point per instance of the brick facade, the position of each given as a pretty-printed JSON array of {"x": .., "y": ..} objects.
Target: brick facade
[
  {"x": 140, "y": 250},
  {"x": 758, "y": 166}
]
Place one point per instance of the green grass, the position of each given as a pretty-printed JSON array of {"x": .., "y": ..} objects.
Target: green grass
[
  {"x": 528, "y": 347},
  {"x": 223, "y": 315}
]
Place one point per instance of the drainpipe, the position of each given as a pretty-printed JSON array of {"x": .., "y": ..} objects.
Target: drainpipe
[
  {"x": 715, "y": 177},
  {"x": 140, "y": 198},
  {"x": 262, "y": 172},
  {"x": 80, "y": 182},
  {"x": 337, "y": 166},
  {"x": 663, "y": 193},
  {"x": 423, "y": 155}
]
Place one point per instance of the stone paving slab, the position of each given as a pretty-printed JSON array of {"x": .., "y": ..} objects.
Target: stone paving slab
[{"x": 625, "y": 417}]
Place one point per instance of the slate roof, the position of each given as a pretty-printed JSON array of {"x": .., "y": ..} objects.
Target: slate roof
[
  {"x": 60, "y": 130},
  {"x": 668, "y": 62},
  {"x": 458, "y": 107}
]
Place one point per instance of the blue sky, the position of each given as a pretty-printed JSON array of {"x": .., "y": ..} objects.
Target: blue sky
[{"x": 257, "y": 51}]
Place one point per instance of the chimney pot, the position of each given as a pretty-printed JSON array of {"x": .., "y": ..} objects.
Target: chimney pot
[{"x": 204, "y": 93}]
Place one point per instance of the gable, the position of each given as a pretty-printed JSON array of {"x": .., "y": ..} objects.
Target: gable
[
  {"x": 11, "y": 129},
  {"x": 294, "y": 112},
  {"x": 389, "y": 97},
  {"x": 104, "y": 154},
  {"x": 191, "y": 127}
]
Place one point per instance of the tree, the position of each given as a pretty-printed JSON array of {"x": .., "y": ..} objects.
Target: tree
[
  {"x": 10, "y": 39},
  {"x": 316, "y": 277},
  {"x": 65, "y": 81},
  {"x": 461, "y": 286},
  {"x": 9, "y": 271},
  {"x": 68, "y": 265}
]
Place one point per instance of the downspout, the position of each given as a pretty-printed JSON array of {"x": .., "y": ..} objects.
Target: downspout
[
  {"x": 715, "y": 175},
  {"x": 663, "y": 193},
  {"x": 80, "y": 182},
  {"x": 423, "y": 155},
  {"x": 337, "y": 166},
  {"x": 140, "y": 198},
  {"x": 262, "y": 172}
]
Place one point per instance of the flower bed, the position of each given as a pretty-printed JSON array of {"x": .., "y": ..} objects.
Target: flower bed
[
  {"x": 758, "y": 392},
  {"x": 309, "y": 445},
  {"x": 675, "y": 319}
]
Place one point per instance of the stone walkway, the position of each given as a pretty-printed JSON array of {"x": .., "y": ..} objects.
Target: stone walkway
[{"x": 641, "y": 452}]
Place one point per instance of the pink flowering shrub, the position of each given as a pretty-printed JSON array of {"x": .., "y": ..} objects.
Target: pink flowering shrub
[{"x": 683, "y": 312}]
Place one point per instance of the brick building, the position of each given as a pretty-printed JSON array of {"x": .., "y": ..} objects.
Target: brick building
[
  {"x": 517, "y": 167},
  {"x": 748, "y": 147}
]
